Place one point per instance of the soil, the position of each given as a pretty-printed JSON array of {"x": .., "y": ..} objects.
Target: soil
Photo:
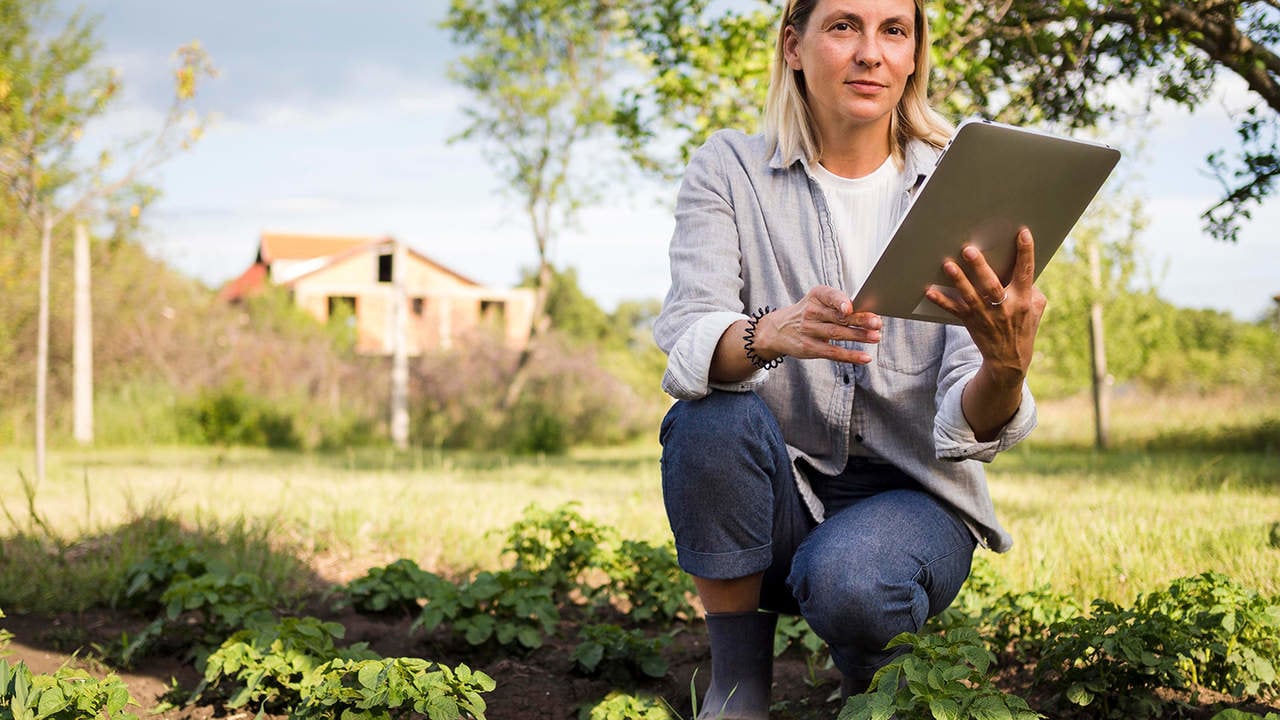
[{"x": 538, "y": 685}]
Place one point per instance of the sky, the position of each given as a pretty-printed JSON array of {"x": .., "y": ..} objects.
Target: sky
[{"x": 334, "y": 117}]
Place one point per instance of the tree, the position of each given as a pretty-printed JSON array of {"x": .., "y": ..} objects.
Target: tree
[
  {"x": 539, "y": 74},
  {"x": 1025, "y": 61},
  {"x": 1033, "y": 59},
  {"x": 49, "y": 91}
]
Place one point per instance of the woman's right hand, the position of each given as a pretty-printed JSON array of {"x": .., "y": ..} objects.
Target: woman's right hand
[{"x": 806, "y": 329}]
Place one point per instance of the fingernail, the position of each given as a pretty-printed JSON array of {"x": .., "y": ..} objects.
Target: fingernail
[{"x": 971, "y": 253}]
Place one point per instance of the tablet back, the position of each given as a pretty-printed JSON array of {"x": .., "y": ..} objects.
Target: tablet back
[{"x": 990, "y": 181}]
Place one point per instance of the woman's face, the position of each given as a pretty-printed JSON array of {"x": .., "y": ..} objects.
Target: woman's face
[{"x": 856, "y": 56}]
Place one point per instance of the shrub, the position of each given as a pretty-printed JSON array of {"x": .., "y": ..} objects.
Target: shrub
[{"x": 229, "y": 415}]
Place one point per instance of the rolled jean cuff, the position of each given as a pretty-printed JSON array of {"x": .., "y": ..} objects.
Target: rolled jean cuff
[{"x": 725, "y": 565}]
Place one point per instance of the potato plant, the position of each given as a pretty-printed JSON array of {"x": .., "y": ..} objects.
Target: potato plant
[
  {"x": 943, "y": 677},
  {"x": 67, "y": 694},
  {"x": 393, "y": 688},
  {"x": 619, "y": 655}
]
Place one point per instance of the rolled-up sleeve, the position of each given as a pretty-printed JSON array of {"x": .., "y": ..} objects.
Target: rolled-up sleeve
[
  {"x": 705, "y": 297},
  {"x": 953, "y": 439},
  {"x": 689, "y": 362}
]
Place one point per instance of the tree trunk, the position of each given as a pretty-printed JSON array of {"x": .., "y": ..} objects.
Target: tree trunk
[
  {"x": 399, "y": 366},
  {"x": 42, "y": 344},
  {"x": 1101, "y": 394},
  {"x": 83, "y": 352},
  {"x": 538, "y": 326}
]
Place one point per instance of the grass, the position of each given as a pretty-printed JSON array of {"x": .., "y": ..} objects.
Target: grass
[{"x": 1193, "y": 484}]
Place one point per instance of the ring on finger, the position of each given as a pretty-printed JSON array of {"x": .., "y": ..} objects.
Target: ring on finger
[{"x": 1003, "y": 297}]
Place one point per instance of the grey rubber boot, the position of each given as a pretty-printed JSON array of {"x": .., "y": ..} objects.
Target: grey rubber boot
[{"x": 741, "y": 666}]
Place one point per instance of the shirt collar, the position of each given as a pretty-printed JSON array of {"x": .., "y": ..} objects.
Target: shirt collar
[{"x": 920, "y": 157}]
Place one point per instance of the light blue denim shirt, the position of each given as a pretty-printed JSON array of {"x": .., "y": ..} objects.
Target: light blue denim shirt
[{"x": 754, "y": 229}]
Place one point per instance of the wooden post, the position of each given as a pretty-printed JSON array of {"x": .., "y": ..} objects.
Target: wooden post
[
  {"x": 42, "y": 345},
  {"x": 1101, "y": 395},
  {"x": 82, "y": 358}
]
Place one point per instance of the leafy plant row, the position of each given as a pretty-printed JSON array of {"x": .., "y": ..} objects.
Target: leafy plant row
[
  {"x": 255, "y": 654},
  {"x": 1200, "y": 632}
]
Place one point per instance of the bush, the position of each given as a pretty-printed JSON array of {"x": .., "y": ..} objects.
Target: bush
[
  {"x": 229, "y": 415},
  {"x": 568, "y": 399}
]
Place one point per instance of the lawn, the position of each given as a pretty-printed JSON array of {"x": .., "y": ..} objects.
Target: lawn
[{"x": 1193, "y": 484}]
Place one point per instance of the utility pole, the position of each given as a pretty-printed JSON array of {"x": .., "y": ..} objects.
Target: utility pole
[{"x": 399, "y": 355}]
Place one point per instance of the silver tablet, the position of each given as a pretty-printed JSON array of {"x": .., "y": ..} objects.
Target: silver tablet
[{"x": 991, "y": 180}]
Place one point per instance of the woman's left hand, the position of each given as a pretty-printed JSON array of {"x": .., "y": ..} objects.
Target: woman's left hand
[{"x": 1003, "y": 320}]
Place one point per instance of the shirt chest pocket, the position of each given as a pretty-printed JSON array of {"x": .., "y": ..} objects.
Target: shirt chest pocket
[{"x": 910, "y": 347}]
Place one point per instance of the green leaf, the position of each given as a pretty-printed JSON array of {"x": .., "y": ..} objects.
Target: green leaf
[
  {"x": 369, "y": 675},
  {"x": 52, "y": 700},
  {"x": 1077, "y": 694},
  {"x": 944, "y": 709}
]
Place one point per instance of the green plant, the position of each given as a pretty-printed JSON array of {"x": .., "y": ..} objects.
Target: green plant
[
  {"x": 395, "y": 587},
  {"x": 1234, "y": 631},
  {"x": 67, "y": 694},
  {"x": 649, "y": 580},
  {"x": 231, "y": 415},
  {"x": 1233, "y": 714},
  {"x": 166, "y": 560},
  {"x": 943, "y": 677},
  {"x": 203, "y": 611},
  {"x": 269, "y": 663},
  {"x": 794, "y": 631},
  {"x": 621, "y": 706},
  {"x": 1015, "y": 625},
  {"x": 393, "y": 687},
  {"x": 619, "y": 655},
  {"x": 5, "y": 636},
  {"x": 509, "y": 607},
  {"x": 559, "y": 545},
  {"x": 1114, "y": 660}
]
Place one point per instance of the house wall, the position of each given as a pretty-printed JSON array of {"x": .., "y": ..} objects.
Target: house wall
[{"x": 450, "y": 307}]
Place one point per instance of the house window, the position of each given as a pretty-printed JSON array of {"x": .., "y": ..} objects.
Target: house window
[
  {"x": 342, "y": 310},
  {"x": 493, "y": 311},
  {"x": 385, "y": 267},
  {"x": 419, "y": 305}
]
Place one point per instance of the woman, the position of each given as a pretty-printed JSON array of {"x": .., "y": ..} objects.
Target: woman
[{"x": 845, "y": 483}]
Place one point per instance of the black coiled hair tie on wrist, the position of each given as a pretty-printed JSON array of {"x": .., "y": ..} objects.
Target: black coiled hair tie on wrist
[{"x": 750, "y": 339}]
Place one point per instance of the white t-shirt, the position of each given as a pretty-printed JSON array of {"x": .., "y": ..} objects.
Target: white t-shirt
[{"x": 864, "y": 211}]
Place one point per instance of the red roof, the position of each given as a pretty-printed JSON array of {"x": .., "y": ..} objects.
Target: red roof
[{"x": 249, "y": 282}]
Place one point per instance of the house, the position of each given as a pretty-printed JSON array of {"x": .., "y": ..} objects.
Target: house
[{"x": 361, "y": 278}]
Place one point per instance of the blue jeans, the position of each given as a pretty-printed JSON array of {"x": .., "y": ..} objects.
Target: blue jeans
[{"x": 887, "y": 557}]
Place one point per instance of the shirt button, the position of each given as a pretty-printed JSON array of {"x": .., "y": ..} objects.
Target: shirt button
[{"x": 845, "y": 377}]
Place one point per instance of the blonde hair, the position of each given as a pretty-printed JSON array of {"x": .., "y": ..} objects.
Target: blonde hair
[{"x": 788, "y": 120}]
